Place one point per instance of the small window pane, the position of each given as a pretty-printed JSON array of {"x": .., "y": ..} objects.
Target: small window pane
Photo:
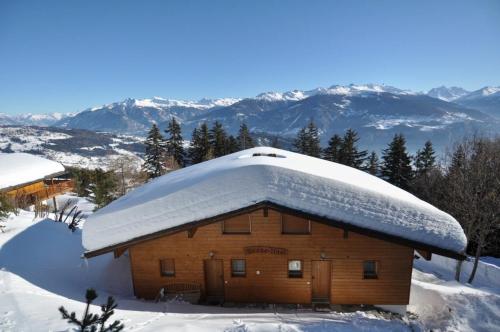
[
  {"x": 295, "y": 225},
  {"x": 370, "y": 269},
  {"x": 237, "y": 225},
  {"x": 294, "y": 269},
  {"x": 167, "y": 267},
  {"x": 238, "y": 268}
]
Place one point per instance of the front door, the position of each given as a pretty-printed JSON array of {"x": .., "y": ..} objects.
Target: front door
[
  {"x": 214, "y": 280},
  {"x": 321, "y": 276}
]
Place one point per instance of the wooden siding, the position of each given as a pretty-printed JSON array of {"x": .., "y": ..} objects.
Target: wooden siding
[
  {"x": 39, "y": 191},
  {"x": 266, "y": 277}
]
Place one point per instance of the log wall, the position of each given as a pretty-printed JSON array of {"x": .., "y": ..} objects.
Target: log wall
[{"x": 266, "y": 277}]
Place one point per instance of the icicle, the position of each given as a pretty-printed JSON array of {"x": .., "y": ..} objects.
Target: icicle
[{"x": 85, "y": 263}]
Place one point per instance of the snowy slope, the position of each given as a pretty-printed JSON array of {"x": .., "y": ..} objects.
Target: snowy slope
[
  {"x": 293, "y": 180},
  {"x": 19, "y": 168},
  {"x": 71, "y": 147}
]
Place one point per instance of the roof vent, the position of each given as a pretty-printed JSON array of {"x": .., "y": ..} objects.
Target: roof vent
[{"x": 274, "y": 155}]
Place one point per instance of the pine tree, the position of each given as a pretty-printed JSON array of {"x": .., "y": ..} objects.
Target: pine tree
[
  {"x": 275, "y": 142},
  {"x": 396, "y": 165},
  {"x": 174, "y": 142},
  {"x": 349, "y": 154},
  {"x": 218, "y": 140},
  {"x": 425, "y": 160},
  {"x": 103, "y": 187},
  {"x": 373, "y": 166},
  {"x": 199, "y": 149},
  {"x": 331, "y": 153},
  {"x": 232, "y": 144},
  {"x": 300, "y": 143},
  {"x": 307, "y": 141},
  {"x": 245, "y": 141},
  {"x": 93, "y": 322},
  {"x": 154, "y": 157},
  {"x": 6, "y": 206}
]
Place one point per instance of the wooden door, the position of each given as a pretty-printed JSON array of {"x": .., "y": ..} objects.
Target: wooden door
[
  {"x": 214, "y": 280},
  {"x": 321, "y": 276}
]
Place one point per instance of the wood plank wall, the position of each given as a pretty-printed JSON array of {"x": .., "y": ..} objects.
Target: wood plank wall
[{"x": 272, "y": 285}]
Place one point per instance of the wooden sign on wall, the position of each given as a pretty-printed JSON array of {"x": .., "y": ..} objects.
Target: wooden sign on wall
[{"x": 265, "y": 250}]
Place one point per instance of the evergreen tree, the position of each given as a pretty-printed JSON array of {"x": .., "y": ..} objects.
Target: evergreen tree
[
  {"x": 232, "y": 144},
  {"x": 245, "y": 141},
  {"x": 372, "y": 164},
  {"x": 174, "y": 142},
  {"x": 218, "y": 140},
  {"x": 313, "y": 146},
  {"x": 300, "y": 143},
  {"x": 275, "y": 143},
  {"x": 199, "y": 149},
  {"x": 425, "y": 160},
  {"x": 154, "y": 157},
  {"x": 307, "y": 141},
  {"x": 103, "y": 187},
  {"x": 331, "y": 153},
  {"x": 396, "y": 165},
  {"x": 6, "y": 207},
  {"x": 93, "y": 322},
  {"x": 349, "y": 154}
]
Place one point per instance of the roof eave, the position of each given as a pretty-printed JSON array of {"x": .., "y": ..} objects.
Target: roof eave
[
  {"x": 284, "y": 209},
  {"x": 45, "y": 177}
]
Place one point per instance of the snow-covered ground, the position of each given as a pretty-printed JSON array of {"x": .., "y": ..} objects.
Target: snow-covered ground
[{"x": 41, "y": 269}]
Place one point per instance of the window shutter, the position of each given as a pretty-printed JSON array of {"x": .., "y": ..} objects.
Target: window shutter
[
  {"x": 295, "y": 225},
  {"x": 237, "y": 225}
]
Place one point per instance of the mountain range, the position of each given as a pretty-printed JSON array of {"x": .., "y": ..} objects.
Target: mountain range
[{"x": 377, "y": 112}]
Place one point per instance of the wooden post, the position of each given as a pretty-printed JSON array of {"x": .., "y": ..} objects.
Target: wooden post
[{"x": 55, "y": 204}]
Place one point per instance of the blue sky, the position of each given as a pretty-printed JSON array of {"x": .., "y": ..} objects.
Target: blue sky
[{"x": 66, "y": 56}]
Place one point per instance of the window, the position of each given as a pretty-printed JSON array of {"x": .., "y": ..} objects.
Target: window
[
  {"x": 294, "y": 225},
  {"x": 237, "y": 225},
  {"x": 370, "y": 270},
  {"x": 238, "y": 268},
  {"x": 294, "y": 269},
  {"x": 167, "y": 267}
]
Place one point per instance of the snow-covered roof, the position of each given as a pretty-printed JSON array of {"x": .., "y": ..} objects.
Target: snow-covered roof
[
  {"x": 311, "y": 185},
  {"x": 20, "y": 168}
]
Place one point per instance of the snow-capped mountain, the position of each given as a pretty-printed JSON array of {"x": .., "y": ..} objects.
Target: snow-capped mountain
[
  {"x": 486, "y": 100},
  {"x": 447, "y": 94},
  {"x": 375, "y": 111},
  {"x": 29, "y": 119},
  {"x": 349, "y": 90},
  {"x": 376, "y": 115},
  {"x": 135, "y": 116}
]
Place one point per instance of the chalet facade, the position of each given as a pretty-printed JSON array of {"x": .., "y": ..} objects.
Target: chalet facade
[
  {"x": 29, "y": 180},
  {"x": 270, "y": 226}
]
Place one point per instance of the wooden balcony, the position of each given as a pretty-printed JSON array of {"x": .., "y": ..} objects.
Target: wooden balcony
[{"x": 40, "y": 191}]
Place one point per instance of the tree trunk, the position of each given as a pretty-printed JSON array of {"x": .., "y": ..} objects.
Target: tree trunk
[
  {"x": 476, "y": 259},
  {"x": 458, "y": 269}
]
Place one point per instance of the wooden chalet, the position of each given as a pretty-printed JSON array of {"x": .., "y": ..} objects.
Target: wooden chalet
[
  {"x": 28, "y": 179},
  {"x": 270, "y": 226}
]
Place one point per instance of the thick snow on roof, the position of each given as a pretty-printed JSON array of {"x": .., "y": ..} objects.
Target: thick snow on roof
[
  {"x": 20, "y": 168},
  {"x": 293, "y": 180}
]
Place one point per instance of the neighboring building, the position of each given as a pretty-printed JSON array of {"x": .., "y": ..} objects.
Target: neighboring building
[
  {"x": 28, "y": 179},
  {"x": 272, "y": 226}
]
